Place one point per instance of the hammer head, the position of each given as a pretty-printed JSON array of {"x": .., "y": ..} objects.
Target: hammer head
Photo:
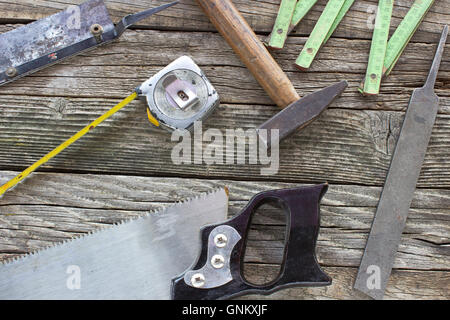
[{"x": 300, "y": 113}]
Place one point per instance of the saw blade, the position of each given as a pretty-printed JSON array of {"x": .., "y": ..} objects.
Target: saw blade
[{"x": 135, "y": 259}]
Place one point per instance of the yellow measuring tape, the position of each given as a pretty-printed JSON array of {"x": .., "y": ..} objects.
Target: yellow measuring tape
[{"x": 68, "y": 142}]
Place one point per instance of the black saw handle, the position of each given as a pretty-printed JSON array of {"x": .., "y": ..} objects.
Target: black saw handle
[{"x": 299, "y": 267}]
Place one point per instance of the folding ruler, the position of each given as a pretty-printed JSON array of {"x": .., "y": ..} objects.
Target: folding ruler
[
  {"x": 301, "y": 9},
  {"x": 290, "y": 14},
  {"x": 324, "y": 28},
  {"x": 383, "y": 54},
  {"x": 280, "y": 28}
]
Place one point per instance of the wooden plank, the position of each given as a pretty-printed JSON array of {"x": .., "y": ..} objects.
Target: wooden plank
[
  {"x": 139, "y": 54},
  {"x": 343, "y": 146},
  {"x": 51, "y": 208},
  {"x": 41, "y": 114},
  {"x": 259, "y": 14},
  {"x": 350, "y": 145},
  {"x": 122, "y": 192},
  {"x": 403, "y": 284}
]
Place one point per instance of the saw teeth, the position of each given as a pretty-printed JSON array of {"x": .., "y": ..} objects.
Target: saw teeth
[{"x": 80, "y": 237}]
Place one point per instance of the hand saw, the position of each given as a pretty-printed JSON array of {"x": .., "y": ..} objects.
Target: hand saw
[
  {"x": 45, "y": 42},
  {"x": 384, "y": 54},
  {"x": 135, "y": 259},
  {"x": 145, "y": 258},
  {"x": 398, "y": 191},
  {"x": 218, "y": 271},
  {"x": 177, "y": 96}
]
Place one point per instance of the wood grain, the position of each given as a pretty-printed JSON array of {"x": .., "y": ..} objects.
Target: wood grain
[
  {"x": 260, "y": 15},
  {"x": 346, "y": 146},
  {"x": 351, "y": 143},
  {"x": 124, "y": 169},
  {"x": 49, "y": 208}
]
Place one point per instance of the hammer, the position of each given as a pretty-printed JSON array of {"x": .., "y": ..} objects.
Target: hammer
[{"x": 297, "y": 112}]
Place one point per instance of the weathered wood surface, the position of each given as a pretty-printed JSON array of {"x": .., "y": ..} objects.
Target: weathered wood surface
[
  {"x": 50, "y": 208},
  {"x": 187, "y": 16},
  {"x": 124, "y": 168},
  {"x": 352, "y": 143}
]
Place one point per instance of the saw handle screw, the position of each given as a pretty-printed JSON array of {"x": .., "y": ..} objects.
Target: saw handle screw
[
  {"x": 218, "y": 261},
  {"x": 220, "y": 240},
  {"x": 198, "y": 280}
]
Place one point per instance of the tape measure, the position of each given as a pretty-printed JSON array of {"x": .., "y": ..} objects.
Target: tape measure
[
  {"x": 177, "y": 96},
  {"x": 402, "y": 35},
  {"x": 281, "y": 26},
  {"x": 319, "y": 34},
  {"x": 378, "y": 48}
]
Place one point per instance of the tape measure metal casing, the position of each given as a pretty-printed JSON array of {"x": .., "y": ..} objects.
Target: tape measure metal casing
[{"x": 179, "y": 95}]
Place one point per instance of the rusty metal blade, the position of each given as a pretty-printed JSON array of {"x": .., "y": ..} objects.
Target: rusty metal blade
[
  {"x": 135, "y": 18},
  {"x": 300, "y": 113},
  {"x": 39, "y": 44}
]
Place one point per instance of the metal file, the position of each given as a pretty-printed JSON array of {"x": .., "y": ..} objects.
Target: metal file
[{"x": 398, "y": 191}]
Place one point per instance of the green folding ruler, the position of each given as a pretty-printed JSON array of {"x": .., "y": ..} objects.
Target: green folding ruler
[
  {"x": 301, "y": 9},
  {"x": 289, "y": 15},
  {"x": 345, "y": 7},
  {"x": 404, "y": 32},
  {"x": 401, "y": 37},
  {"x": 378, "y": 47},
  {"x": 330, "y": 18},
  {"x": 280, "y": 28},
  {"x": 291, "y": 12}
]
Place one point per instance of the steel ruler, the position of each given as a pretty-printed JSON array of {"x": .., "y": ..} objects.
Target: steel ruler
[{"x": 400, "y": 39}]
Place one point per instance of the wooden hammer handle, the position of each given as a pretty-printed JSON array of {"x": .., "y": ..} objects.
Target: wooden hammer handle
[{"x": 236, "y": 31}]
